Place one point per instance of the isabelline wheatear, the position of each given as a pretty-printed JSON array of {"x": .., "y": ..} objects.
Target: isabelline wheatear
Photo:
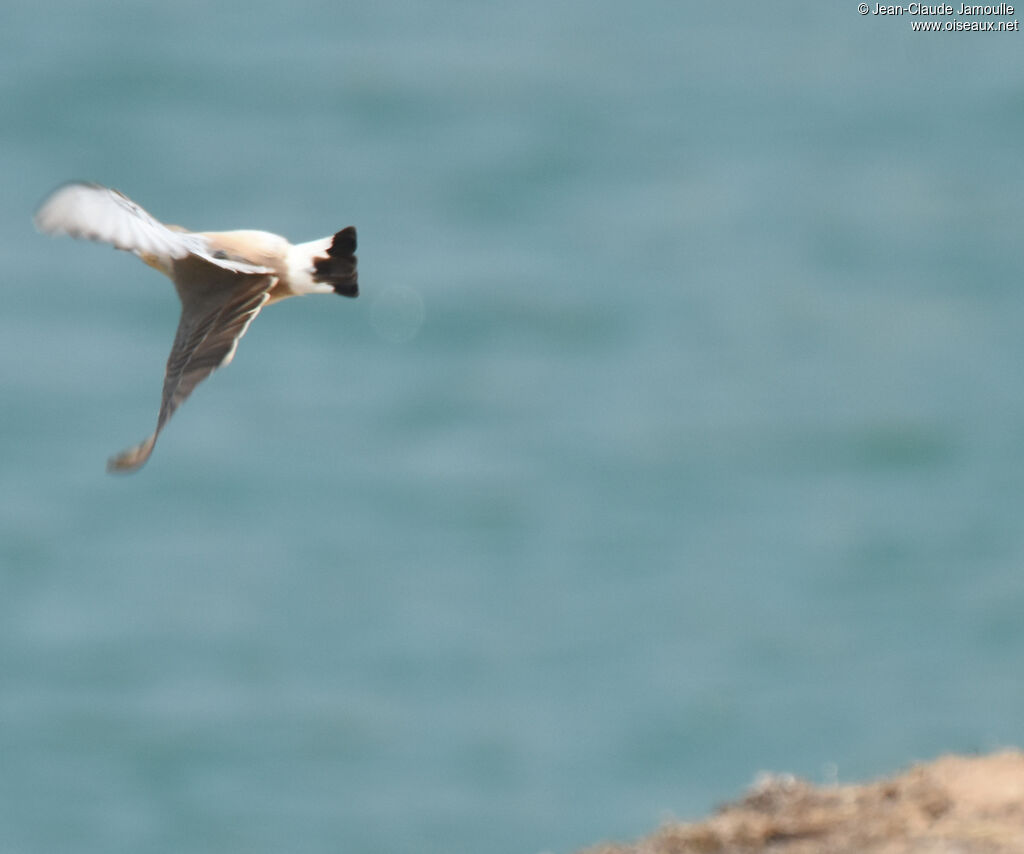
[{"x": 223, "y": 279}]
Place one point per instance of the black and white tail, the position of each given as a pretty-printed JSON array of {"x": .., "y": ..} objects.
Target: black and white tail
[{"x": 338, "y": 269}]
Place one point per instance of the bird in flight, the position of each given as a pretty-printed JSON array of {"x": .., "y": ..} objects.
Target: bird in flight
[{"x": 223, "y": 279}]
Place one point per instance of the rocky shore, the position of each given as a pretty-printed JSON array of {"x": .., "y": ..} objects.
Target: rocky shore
[{"x": 953, "y": 805}]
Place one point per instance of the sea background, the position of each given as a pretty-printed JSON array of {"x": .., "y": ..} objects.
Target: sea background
[{"x": 676, "y": 434}]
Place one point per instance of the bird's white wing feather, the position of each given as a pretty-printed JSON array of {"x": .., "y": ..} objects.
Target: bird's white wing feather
[{"x": 94, "y": 212}]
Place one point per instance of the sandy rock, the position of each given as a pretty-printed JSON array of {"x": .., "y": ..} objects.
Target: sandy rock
[{"x": 954, "y": 805}]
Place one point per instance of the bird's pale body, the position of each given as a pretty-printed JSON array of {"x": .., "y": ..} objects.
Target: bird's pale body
[{"x": 291, "y": 264}]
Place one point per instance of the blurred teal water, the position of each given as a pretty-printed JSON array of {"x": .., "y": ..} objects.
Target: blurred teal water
[{"x": 675, "y": 436}]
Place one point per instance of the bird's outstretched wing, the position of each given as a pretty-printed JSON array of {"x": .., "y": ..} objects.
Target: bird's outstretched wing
[
  {"x": 217, "y": 306},
  {"x": 94, "y": 212}
]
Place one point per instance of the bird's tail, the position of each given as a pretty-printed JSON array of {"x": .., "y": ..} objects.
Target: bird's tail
[{"x": 338, "y": 269}]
